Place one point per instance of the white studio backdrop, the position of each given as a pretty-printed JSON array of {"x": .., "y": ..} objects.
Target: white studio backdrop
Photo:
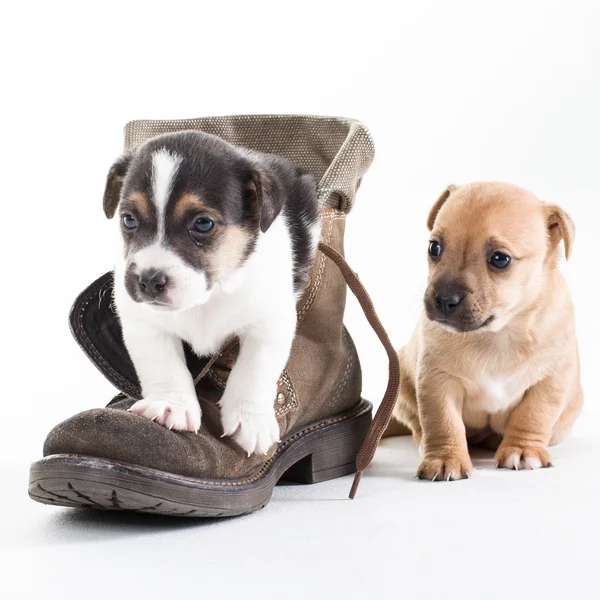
[{"x": 452, "y": 92}]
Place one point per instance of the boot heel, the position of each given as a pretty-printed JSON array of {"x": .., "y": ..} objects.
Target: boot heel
[{"x": 334, "y": 452}]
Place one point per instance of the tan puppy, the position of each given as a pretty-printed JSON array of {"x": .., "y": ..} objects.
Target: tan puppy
[{"x": 495, "y": 359}]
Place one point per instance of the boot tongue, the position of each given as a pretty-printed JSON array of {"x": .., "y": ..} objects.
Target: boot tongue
[{"x": 97, "y": 329}]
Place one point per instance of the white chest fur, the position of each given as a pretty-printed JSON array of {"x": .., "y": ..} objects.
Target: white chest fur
[{"x": 500, "y": 392}]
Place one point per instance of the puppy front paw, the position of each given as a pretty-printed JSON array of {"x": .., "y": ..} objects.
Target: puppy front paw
[
  {"x": 513, "y": 456},
  {"x": 445, "y": 467},
  {"x": 173, "y": 411},
  {"x": 254, "y": 430}
]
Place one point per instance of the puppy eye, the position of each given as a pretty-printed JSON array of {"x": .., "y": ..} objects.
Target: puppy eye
[
  {"x": 435, "y": 249},
  {"x": 500, "y": 260},
  {"x": 129, "y": 222},
  {"x": 203, "y": 224}
]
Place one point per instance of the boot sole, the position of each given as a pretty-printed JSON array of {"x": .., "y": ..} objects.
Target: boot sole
[{"x": 321, "y": 451}]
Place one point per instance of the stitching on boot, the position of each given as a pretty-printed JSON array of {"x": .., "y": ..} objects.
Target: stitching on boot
[
  {"x": 286, "y": 380},
  {"x": 332, "y": 213},
  {"x": 216, "y": 379},
  {"x": 330, "y": 217},
  {"x": 361, "y": 408},
  {"x": 86, "y": 343},
  {"x": 349, "y": 363}
]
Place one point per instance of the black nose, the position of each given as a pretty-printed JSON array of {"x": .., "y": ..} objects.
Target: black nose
[
  {"x": 448, "y": 299},
  {"x": 152, "y": 283}
]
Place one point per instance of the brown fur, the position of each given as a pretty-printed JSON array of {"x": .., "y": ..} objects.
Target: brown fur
[
  {"x": 515, "y": 381},
  {"x": 138, "y": 201},
  {"x": 191, "y": 203},
  {"x": 112, "y": 192},
  {"x": 231, "y": 251}
]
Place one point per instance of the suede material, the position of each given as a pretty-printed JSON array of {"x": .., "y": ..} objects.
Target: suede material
[
  {"x": 117, "y": 434},
  {"x": 322, "y": 377},
  {"x": 323, "y": 365}
]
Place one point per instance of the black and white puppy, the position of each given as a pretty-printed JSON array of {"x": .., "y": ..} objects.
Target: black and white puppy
[{"x": 217, "y": 241}]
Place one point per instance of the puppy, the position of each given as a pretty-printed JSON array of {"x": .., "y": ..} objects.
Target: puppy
[
  {"x": 494, "y": 360},
  {"x": 217, "y": 241}
]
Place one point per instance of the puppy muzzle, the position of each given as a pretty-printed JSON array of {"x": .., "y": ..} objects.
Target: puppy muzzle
[{"x": 453, "y": 306}]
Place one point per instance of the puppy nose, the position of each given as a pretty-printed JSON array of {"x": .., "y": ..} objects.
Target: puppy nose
[
  {"x": 448, "y": 300},
  {"x": 152, "y": 283}
]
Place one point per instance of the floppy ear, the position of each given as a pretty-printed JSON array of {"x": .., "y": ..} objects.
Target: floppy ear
[
  {"x": 114, "y": 183},
  {"x": 560, "y": 227},
  {"x": 435, "y": 209},
  {"x": 268, "y": 193}
]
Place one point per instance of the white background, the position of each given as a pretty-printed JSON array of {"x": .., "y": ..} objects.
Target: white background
[{"x": 452, "y": 92}]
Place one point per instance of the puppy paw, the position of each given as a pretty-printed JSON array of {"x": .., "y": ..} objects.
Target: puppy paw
[
  {"x": 176, "y": 412},
  {"x": 522, "y": 457},
  {"x": 445, "y": 468},
  {"x": 255, "y": 431}
]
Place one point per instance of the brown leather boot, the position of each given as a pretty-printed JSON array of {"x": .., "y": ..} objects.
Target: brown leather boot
[{"x": 109, "y": 458}]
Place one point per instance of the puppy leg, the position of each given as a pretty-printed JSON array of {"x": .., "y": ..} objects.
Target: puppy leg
[
  {"x": 530, "y": 425},
  {"x": 396, "y": 427},
  {"x": 565, "y": 423},
  {"x": 444, "y": 445},
  {"x": 405, "y": 418},
  {"x": 169, "y": 397},
  {"x": 247, "y": 405}
]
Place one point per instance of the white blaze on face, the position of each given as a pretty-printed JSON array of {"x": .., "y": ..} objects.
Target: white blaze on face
[{"x": 164, "y": 168}]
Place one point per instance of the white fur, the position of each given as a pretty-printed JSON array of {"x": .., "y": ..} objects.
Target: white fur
[
  {"x": 516, "y": 461},
  {"x": 513, "y": 461},
  {"x": 532, "y": 462},
  {"x": 491, "y": 396},
  {"x": 256, "y": 303},
  {"x": 499, "y": 392},
  {"x": 315, "y": 235},
  {"x": 164, "y": 169}
]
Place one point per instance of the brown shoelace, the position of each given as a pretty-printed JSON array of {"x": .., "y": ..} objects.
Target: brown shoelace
[
  {"x": 384, "y": 412},
  {"x": 213, "y": 359}
]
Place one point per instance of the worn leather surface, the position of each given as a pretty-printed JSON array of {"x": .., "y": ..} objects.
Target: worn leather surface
[{"x": 322, "y": 378}]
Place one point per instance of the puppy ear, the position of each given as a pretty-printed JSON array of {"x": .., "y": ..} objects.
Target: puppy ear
[
  {"x": 114, "y": 183},
  {"x": 435, "y": 209},
  {"x": 560, "y": 227},
  {"x": 267, "y": 192}
]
